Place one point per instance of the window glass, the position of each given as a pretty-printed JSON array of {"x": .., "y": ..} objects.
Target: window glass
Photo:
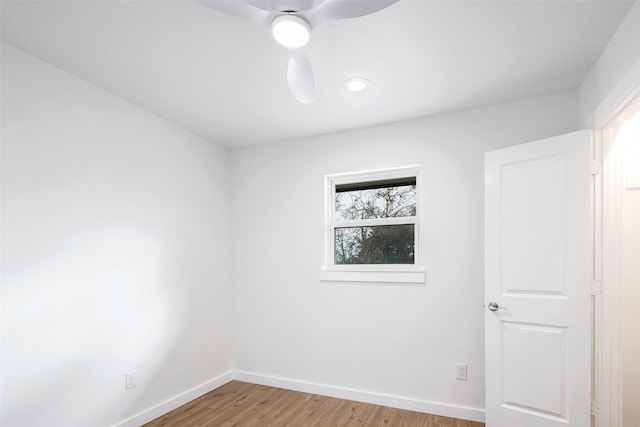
[
  {"x": 385, "y": 244},
  {"x": 375, "y": 202}
]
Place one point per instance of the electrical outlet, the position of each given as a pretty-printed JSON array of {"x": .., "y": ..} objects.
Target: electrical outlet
[
  {"x": 461, "y": 371},
  {"x": 130, "y": 380}
]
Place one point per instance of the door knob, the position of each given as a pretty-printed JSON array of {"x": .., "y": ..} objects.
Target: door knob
[{"x": 494, "y": 306}]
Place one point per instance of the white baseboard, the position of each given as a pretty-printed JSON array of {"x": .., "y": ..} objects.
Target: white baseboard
[
  {"x": 436, "y": 408},
  {"x": 176, "y": 401}
]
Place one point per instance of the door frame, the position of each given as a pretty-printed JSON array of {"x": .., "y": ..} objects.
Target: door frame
[{"x": 607, "y": 263}]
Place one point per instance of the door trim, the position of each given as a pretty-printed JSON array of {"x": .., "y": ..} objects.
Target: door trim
[
  {"x": 608, "y": 269},
  {"x": 607, "y": 369}
]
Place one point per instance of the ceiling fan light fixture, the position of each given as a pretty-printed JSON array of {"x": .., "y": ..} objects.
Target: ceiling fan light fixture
[
  {"x": 356, "y": 84},
  {"x": 291, "y": 31}
]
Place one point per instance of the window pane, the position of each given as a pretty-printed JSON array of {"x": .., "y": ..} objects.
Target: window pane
[
  {"x": 367, "y": 203},
  {"x": 385, "y": 244}
]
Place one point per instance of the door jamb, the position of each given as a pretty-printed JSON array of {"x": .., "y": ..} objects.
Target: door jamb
[{"x": 607, "y": 265}]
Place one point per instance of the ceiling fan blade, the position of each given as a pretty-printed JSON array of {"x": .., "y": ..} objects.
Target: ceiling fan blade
[
  {"x": 240, "y": 9},
  {"x": 302, "y": 81},
  {"x": 280, "y": 5},
  {"x": 330, "y": 10}
]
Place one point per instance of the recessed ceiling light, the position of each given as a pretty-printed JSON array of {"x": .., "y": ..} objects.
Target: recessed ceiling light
[
  {"x": 290, "y": 31},
  {"x": 356, "y": 84}
]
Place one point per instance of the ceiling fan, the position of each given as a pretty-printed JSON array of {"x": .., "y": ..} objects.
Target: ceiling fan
[{"x": 291, "y": 22}]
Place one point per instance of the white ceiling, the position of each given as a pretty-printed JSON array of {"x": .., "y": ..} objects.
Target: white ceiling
[{"x": 225, "y": 78}]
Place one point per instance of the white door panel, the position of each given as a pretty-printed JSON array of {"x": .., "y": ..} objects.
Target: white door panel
[{"x": 537, "y": 269}]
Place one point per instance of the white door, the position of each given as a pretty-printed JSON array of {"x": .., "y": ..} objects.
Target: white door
[{"x": 538, "y": 282}]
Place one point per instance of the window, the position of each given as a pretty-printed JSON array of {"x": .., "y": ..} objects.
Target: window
[
  {"x": 372, "y": 227},
  {"x": 374, "y": 222}
]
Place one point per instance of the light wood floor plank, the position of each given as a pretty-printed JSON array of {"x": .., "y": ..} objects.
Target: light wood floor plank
[{"x": 239, "y": 404}]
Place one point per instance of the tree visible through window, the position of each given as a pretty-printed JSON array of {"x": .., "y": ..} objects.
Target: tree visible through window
[{"x": 374, "y": 222}]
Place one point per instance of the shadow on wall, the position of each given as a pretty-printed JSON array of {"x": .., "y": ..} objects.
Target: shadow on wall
[{"x": 98, "y": 306}]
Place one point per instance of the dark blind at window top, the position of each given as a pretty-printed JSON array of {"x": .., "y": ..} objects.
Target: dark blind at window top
[{"x": 371, "y": 185}]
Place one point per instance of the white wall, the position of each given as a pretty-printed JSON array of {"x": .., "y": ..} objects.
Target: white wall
[
  {"x": 614, "y": 75},
  {"x": 630, "y": 332},
  {"x": 114, "y": 253},
  {"x": 391, "y": 339},
  {"x": 630, "y": 312}
]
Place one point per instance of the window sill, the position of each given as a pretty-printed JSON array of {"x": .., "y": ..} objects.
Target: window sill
[{"x": 374, "y": 276}]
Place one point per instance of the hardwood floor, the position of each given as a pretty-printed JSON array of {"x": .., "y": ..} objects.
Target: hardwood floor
[{"x": 243, "y": 404}]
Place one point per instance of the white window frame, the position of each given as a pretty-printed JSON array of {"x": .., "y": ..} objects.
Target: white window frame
[{"x": 376, "y": 273}]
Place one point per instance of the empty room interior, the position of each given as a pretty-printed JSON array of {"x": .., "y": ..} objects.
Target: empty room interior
[{"x": 425, "y": 205}]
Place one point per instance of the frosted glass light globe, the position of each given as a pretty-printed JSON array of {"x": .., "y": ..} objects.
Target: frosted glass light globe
[{"x": 290, "y": 31}]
